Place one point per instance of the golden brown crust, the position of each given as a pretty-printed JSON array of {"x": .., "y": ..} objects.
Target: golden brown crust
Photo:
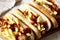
[
  {"x": 39, "y": 15},
  {"x": 41, "y": 9}
]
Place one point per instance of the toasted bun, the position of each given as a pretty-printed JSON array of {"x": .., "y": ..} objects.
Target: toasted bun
[
  {"x": 41, "y": 9},
  {"x": 35, "y": 12}
]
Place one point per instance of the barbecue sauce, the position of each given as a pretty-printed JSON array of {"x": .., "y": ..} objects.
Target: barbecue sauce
[
  {"x": 12, "y": 27},
  {"x": 26, "y": 30},
  {"x": 45, "y": 24}
]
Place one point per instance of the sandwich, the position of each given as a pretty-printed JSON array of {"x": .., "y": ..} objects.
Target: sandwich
[
  {"x": 12, "y": 28},
  {"x": 46, "y": 13},
  {"x": 29, "y": 21},
  {"x": 51, "y": 6},
  {"x": 36, "y": 18}
]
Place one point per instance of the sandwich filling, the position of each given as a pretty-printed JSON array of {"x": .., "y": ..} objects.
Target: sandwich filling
[{"x": 15, "y": 31}]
